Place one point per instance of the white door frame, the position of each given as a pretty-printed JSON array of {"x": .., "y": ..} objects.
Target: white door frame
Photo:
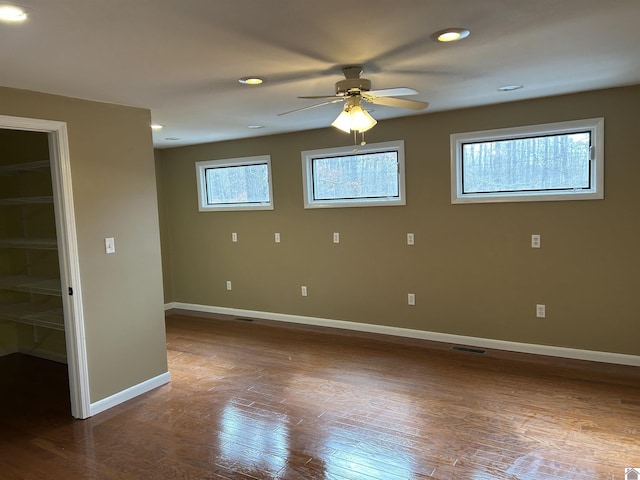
[{"x": 67, "y": 255}]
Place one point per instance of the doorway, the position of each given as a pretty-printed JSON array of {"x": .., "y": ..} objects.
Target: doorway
[{"x": 69, "y": 322}]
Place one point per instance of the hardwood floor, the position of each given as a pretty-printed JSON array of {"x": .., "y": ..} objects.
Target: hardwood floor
[{"x": 250, "y": 400}]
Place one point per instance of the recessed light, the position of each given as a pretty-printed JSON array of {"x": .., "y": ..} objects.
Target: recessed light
[
  {"x": 156, "y": 126},
  {"x": 451, "y": 35},
  {"x": 11, "y": 13},
  {"x": 254, "y": 127},
  {"x": 509, "y": 88},
  {"x": 251, "y": 80}
]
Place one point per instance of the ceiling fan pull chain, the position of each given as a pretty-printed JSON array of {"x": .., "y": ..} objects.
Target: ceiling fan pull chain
[{"x": 355, "y": 140}]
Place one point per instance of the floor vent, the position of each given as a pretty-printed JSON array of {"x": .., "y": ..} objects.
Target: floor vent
[
  {"x": 244, "y": 319},
  {"x": 468, "y": 349}
]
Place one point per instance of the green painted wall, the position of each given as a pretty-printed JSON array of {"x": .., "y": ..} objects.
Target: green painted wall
[{"x": 472, "y": 268}]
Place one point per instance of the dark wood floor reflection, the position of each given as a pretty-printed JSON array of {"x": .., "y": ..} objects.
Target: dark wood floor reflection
[{"x": 250, "y": 400}]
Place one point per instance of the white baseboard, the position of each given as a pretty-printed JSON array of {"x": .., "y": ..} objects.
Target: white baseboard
[
  {"x": 129, "y": 393},
  {"x": 548, "y": 350}
]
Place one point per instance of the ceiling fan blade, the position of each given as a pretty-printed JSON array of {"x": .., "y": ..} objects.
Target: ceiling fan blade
[
  {"x": 312, "y": 106},
  {"x": 396, "y": 102},
  {"x": 392, "y": 92},
  {"x": 324, "y": 96}
]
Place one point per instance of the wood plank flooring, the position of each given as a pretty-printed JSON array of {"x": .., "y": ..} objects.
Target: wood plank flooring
[{"x": 251, "y": 400}]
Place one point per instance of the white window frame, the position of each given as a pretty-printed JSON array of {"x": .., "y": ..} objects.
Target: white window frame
[
  {"x": 307, "y": 176},
  {"x": 202, "y": 167},
  {"x": 594, "y": 125}
]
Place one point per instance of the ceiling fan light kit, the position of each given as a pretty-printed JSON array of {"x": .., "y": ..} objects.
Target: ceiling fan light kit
[{"x": 354, "y": 118}]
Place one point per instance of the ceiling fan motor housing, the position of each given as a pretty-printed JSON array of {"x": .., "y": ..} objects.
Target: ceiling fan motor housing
[{"x": 352, "y": 85}]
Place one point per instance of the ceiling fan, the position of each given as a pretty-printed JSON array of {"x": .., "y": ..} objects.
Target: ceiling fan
[{"x": 352, "y": 91}]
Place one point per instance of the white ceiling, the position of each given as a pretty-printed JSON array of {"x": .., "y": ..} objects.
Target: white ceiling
[{"x": 182, "y": 58}]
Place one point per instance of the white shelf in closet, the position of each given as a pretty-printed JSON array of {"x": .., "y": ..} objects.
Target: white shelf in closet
[
  {"x": 26, "y": 201},
  {"x": 34, "y": 315},
  {"x": 29, "y": 243},
  {"x": 40, "y": 310},
  {"x": 15, "y": 168},
  {"x": 29, "y": 284}
]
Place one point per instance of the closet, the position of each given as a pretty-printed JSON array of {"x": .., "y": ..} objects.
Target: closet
[{"x": 31, "y": 313}]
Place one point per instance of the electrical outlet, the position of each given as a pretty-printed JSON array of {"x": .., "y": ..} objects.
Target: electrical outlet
[
  {"x": 535, "y": 241},
  {"x": 541, "y": 311},
  {"x": 410, "y": 239},
  {"x": 336, "y": 237},
  {"x": 228, "y": 284},
  {"x": 411, "y": 298},
  {"x": 303, "y": 290}
]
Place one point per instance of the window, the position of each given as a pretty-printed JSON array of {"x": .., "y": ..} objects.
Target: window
[
  {"x": 235, "y": 184},
  {"x": 371, "y": 175},
  {"x": 556, "y": 161}
]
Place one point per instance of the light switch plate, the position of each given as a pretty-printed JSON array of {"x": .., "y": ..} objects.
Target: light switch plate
[{"x": 109, "y": 245}]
